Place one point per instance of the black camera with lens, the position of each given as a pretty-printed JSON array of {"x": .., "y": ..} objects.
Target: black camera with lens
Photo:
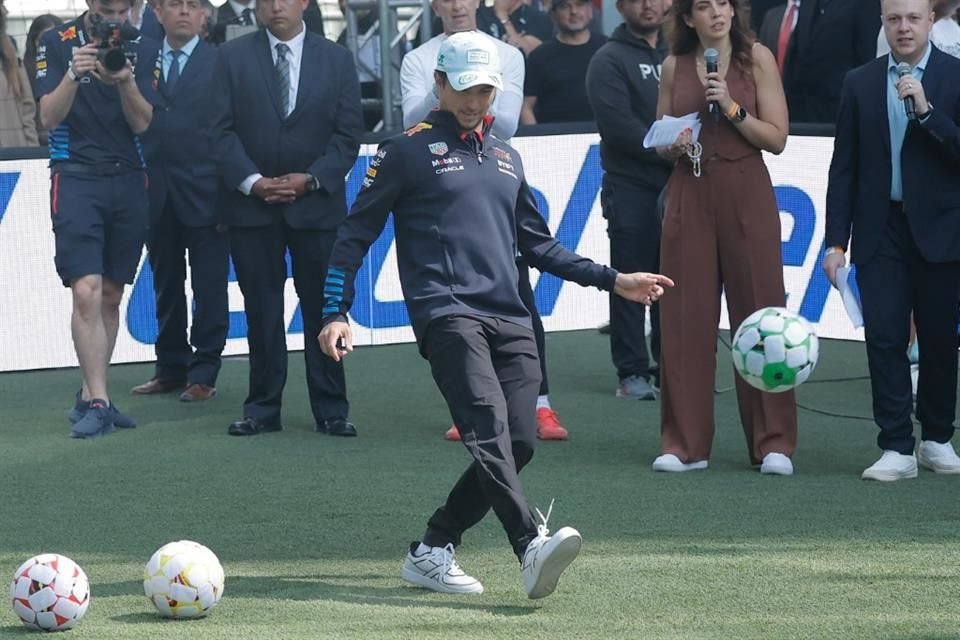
[{"x": 112, "y": 37}]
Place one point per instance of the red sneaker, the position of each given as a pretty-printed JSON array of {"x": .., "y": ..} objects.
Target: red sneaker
[
  {"x": 548, "y": 425},
  {"x": 452, "y": 434}
]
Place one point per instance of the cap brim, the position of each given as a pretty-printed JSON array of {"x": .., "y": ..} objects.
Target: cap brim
[{"x": 466, "y": 79}]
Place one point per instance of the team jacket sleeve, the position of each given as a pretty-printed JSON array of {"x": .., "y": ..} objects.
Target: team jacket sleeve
[
  {"x": 50, "y": 67},
  {"x": 841, "y": 184},
  {"x": 381, "y": 188},
  {"x": 344, "y": 145},
  {"x": 545, "y": 252}
]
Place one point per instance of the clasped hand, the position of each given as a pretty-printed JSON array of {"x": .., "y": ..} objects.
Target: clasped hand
[{"x": 282, "y": 189}]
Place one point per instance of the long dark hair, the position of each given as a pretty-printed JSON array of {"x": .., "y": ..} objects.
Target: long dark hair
[
  {"x": 8, "y": 58},
  {"x": 683, "y": 38}
]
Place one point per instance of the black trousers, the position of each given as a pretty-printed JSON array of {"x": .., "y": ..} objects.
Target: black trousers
[
  {"x": 894, "y": 283},
  {"x": 487, "y": 371},
  {"x": 259, "y": 258},
  {"x": 633, "y": 226},
  {"x": 526, "y": 296},
  {"x": 196, "y": 361}
]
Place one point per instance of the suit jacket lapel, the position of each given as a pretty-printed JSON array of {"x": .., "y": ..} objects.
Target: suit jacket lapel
[
  {"x": 189, "y": 69},
  {"x": 265, "y": 60},
  {"x": 804, "y": 29},
  {"x": 307, "y": 79},
  {"x": 876, "y": 94},
  {"x": 931, "y": 75}
]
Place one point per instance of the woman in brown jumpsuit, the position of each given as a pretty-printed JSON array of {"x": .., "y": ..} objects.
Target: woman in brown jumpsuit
[{"x": 721, "y": 230}]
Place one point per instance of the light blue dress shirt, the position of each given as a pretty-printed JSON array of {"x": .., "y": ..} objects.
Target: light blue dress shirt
[
  {"x": 897, "y": 117},
  {"x": 167, "y": 55}
]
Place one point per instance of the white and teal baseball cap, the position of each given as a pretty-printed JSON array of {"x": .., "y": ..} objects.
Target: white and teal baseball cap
[{"x": 470, "y": 58}]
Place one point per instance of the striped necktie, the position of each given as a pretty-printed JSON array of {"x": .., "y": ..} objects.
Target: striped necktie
[{"x": 283, "y": 77}]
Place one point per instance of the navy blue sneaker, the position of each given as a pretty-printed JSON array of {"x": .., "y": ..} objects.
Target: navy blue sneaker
[
  {"x": 121, "y": 420},
  {"x": 80, "y": 406},
  {"x": 96, "y": 422}
]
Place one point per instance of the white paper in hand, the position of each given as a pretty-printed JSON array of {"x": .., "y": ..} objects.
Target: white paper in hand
[
  {"x": 664, "y": 131},
  {"x": 849, "y": 294}
]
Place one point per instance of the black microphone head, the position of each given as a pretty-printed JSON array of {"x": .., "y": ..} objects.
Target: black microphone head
[
  {"x": 711, "y": 56},
  {"x": 903, "y": 69}
]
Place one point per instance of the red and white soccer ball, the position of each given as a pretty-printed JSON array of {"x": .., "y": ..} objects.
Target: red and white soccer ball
[{"x": 50, "y": 592}]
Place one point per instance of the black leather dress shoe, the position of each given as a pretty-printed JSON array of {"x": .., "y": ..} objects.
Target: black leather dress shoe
[
  {"x": 337, "y": 427},
  {"x": 251, "y": 427}
]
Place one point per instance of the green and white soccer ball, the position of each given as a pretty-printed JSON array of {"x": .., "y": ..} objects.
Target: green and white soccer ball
[
  {"x": 775, "y": 349},
  {"x": 183, "y": 579}
]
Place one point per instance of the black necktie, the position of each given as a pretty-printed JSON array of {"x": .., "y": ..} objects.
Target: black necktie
[
  {"x": 283, "y": 77},
  {"x": 173, "y": 74}
]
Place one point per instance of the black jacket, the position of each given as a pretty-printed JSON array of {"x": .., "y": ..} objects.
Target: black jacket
[
  {"x": 623, "y": 83},
  {"x": 462, "y": 210},
  {"x": 178, "y": 145},
  {"x": 831, "y": 37},
  {"x": 859, "y": 188}
]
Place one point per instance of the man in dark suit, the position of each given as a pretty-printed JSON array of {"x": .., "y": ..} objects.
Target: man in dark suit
[
  {"x": 288, "y": 127},
  {"x": 895, "y": 179},
  {"x": 768, "y": 30},
  {"x": 184, "y": 185},
  {"x": 831, "y": 37},
  {"x": 231, "y": 12}
]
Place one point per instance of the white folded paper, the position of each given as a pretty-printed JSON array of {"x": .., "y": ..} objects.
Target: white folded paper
[
  {"x": 848, "y": 293},
  {"x": 664, "y": 131}
]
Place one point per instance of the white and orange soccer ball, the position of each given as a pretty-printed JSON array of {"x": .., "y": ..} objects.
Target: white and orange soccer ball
[
  {"x": 183, "y": 579},
  {"x": 50, "y": 592}
]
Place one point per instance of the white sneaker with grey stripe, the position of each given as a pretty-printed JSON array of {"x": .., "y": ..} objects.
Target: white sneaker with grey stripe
[{"x": 437, "y": 569}]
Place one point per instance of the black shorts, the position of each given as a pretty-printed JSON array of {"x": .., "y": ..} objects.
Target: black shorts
[{"x": 99, "y": 223}]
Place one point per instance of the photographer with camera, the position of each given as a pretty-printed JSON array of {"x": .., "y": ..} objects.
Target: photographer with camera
[{"x": 91, "y": 93}]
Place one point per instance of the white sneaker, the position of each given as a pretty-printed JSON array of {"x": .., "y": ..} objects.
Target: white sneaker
[
  {"x": 670, "y": 462},
  {"x": 939, "y": 458},
  {"x": 776, "y": 464},
  {"x": 547, "y": 556},
  {"x": 438, "y": 570},
  {"x": 892, "y": 466}
]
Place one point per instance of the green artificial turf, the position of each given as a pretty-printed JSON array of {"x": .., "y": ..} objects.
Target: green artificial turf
[{"x": 312, "y": 530}]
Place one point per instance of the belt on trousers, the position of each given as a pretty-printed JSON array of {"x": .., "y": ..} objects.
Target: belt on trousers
[{"x": 101, "y": 169}]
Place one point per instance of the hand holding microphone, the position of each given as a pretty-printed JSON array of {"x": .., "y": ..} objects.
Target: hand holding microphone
[
  {"x": 911, "y": 92},
  {"x": 718, "y": 100}
]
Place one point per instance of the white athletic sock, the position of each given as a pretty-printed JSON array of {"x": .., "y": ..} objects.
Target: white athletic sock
[
  {"x": 543, "y": 402},
  {"x": 422, "y": 549}
]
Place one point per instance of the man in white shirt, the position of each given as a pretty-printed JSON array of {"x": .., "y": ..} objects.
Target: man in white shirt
[
  {"x": 416, "y": 73},
  {"x": 418, "y": 96}
]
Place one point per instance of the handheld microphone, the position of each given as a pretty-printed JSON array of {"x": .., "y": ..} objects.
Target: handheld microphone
[
  {"x": 710, "y": 59},
  {"x": 903, "y": 69}
]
